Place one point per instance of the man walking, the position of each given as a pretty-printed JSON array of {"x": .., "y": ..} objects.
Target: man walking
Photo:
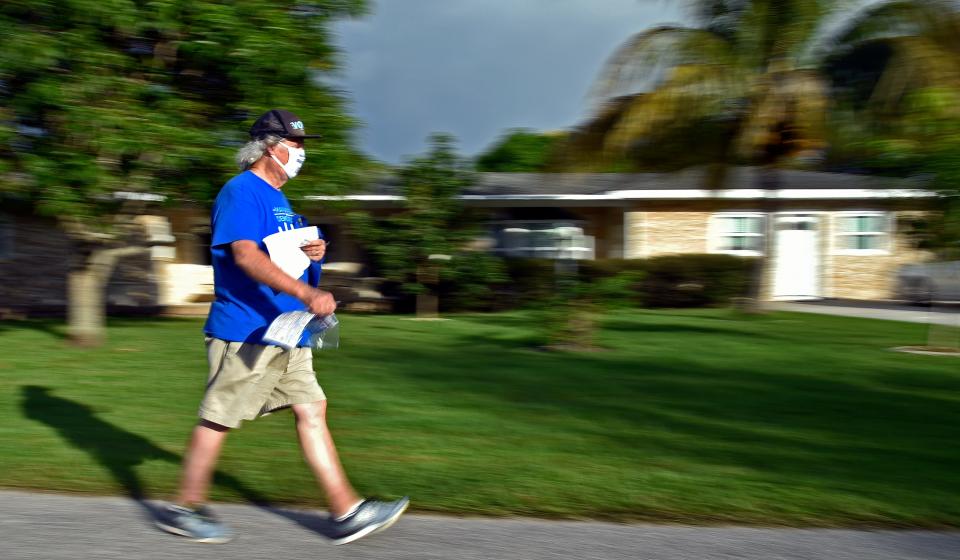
[{"x": 248, "y": 377}]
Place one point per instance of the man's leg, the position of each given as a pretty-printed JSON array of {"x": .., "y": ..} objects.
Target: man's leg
[
  {"x": 321, "y": 455},
  {"x": 188, "y": 517},
  {"x": 199, "y": 462}
]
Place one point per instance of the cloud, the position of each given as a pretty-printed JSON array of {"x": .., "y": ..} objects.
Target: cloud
[{"x": 475, "y": 68}]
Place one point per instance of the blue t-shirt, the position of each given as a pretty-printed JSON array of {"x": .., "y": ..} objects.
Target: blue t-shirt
[{"x": 248, "y": 208}]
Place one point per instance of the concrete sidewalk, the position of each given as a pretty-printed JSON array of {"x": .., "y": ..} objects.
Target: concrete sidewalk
[{"x": 54, "y": 527}]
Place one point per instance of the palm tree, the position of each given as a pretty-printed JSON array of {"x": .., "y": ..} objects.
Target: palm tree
[
  {"x": 745, "y": 85},
  {"x": 729, "y": 84}
]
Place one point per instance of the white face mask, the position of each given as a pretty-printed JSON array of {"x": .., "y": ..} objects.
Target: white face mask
[{"x": 295, "y": 159}]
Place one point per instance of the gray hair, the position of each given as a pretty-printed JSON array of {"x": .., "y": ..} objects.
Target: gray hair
[{"x": 253, "y": 150}]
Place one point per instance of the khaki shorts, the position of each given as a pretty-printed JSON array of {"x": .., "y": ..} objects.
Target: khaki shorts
[{"x": 249, "y": 380}]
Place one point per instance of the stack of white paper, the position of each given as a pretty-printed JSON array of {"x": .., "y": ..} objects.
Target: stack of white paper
[{"x": 285, "y": 251}]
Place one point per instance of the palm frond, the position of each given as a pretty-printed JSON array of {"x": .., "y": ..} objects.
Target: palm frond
[
  {"x": 936, "y": 19},
  {"x": 722, "y": 17},
  {"x": 693, "y": 92},
  {"x": 761, "y": 30},
  {"x": 917, "y": 63},
  {"x": 644, "y": 60}
]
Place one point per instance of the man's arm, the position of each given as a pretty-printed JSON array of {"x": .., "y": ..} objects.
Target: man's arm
[{"x": 258, "y": 266}]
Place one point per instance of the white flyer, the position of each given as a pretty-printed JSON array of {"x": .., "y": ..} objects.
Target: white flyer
[
  {"x": 284, "y": 248},
  {"x": 285, "y": 331}
]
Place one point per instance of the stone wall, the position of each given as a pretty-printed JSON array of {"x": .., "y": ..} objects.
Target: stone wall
[
  {"x": 33, "y": 270},
  {"x": 38, "y": 258}
]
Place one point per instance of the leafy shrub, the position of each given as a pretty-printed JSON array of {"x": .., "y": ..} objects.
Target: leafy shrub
[
  {"x": 482, "y": 282},
  {"x": 531, "y": 282},
  {"x": 695, "y": 280},
  {"x": 473, "y": 281},
  {"x": 623, "y": 289}
]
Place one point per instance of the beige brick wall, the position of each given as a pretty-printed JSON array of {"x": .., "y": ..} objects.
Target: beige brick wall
[
  {"x": 659, "y": 231},
  {"x": 652, "y": 233},
  {"x": 867, "y": 276}
]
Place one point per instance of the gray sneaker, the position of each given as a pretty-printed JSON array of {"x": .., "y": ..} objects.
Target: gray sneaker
[
  {"x": 371, "y": 516},
  {"x": 196, "y": 524}
]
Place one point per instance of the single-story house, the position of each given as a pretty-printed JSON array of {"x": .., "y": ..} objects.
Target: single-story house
[{"x": 831, "y": 235}]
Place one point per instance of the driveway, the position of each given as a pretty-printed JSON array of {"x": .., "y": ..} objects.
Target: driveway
[{"x": 940, "y": 314}]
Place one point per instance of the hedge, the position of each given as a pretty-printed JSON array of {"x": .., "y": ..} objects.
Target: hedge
[{"x": 688, "y": 280}]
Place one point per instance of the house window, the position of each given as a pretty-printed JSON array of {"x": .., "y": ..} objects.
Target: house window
[
  {"x": 6, "y": 237},
  {"x": 737, "y": 234},
  {"x": 542, "y": 239},
  {"x": 863, "y": 233}
]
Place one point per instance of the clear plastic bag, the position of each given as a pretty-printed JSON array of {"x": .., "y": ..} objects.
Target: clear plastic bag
[{"x": 324, "y": 332}]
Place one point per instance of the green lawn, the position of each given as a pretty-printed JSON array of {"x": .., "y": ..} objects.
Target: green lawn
[{"x": 689, "y": 416}]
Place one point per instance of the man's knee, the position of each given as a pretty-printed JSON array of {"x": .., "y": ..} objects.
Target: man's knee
[{"x": 314, "y": 414}]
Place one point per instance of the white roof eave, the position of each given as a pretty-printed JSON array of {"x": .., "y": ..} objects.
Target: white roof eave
[{"x": 668, "y": 194}]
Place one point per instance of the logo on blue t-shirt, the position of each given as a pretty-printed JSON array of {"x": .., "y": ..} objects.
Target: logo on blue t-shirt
[{"x": 284, "y": 216}]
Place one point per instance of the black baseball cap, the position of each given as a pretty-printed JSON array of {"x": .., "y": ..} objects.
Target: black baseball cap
[{"x": 280, "y": 123}]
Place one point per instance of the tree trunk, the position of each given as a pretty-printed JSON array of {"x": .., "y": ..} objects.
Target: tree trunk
[
  {"x": 428, "y": 304},
  {"x": 85, "y": 308},
  {"x": 769, "y": 183},
  {"x": 86, "y": 295}
]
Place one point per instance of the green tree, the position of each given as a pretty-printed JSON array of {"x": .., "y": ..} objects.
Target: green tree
[
  {"x": 519, "y": 151},
  {"x": 105, "y": 96},
  {"x": 424, "y": 241}
]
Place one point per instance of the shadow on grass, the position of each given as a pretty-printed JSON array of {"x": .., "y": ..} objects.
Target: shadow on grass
[
  {"x": 678, "y": 328},
  {"x": 519, "y": 333},
  {"x": 858, "y": 430},
  {"x": 57, "y": 327},
  {"x": 54, "y": 328},
  {"x": 120, "y": 452}
]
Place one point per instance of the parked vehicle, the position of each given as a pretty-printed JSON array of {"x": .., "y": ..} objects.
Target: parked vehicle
[{"x": 923, "y": 284}]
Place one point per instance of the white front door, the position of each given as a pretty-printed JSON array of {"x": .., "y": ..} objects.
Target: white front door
[{"x": 796, "y": 267}]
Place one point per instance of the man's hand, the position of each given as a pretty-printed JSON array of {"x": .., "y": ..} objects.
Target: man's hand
[
  {"x": 315, "y": 249},
  {"x": 319, "y": 302},
  {"x": 258, "y": 266}
]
